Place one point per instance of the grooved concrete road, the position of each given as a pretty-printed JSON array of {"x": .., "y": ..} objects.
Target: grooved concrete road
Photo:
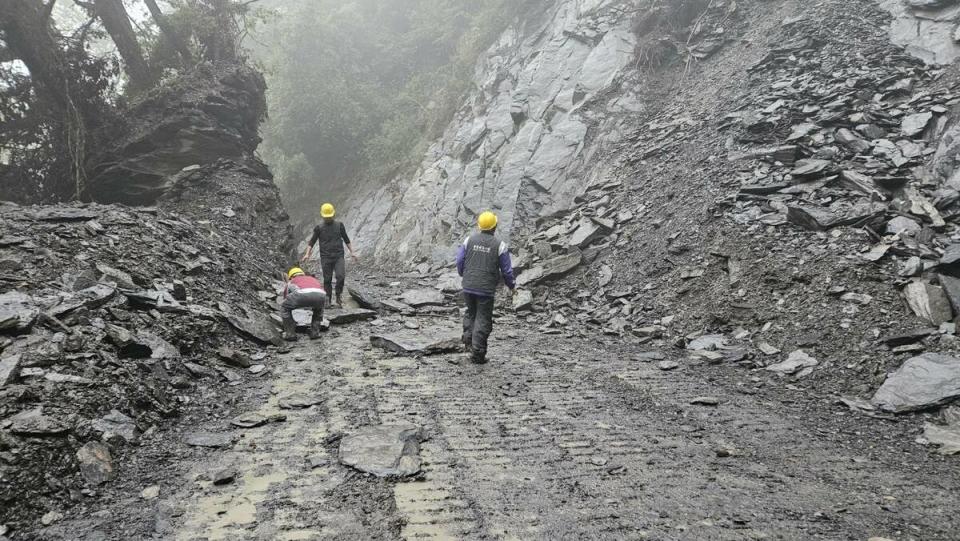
[{"x": 554, "y": 439}]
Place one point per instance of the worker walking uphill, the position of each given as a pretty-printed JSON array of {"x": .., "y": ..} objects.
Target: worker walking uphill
[
  {"x": 482, "y": 260},
  {"x": 302, "y": 291},
  {"x": 330, "y": 237}
]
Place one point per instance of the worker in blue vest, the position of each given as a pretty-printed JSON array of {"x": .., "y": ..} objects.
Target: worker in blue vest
[{"x": 482, "y": 260}]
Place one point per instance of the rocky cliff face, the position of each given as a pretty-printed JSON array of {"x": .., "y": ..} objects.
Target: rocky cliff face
[
  {"x": 926, "y": 28},
  {"x": 779, "y": 176},
  {"x": 526, "y": 141}
]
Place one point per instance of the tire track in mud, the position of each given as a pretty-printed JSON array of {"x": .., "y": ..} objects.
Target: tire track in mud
[
  {"x": 550, "y": 449},
  {"x": 550, "y": 440}
]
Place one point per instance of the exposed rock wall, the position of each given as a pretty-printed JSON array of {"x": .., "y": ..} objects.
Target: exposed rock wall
[
  {"x": 926, "y": 28},
  {"x": 208, "y": 114},
  {"x": 524, "y": 140}
]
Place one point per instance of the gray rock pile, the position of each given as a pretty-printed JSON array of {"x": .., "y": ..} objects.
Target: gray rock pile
[{"x": 110, "y": 316}]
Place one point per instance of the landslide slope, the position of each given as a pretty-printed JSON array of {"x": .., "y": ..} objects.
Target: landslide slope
[
  {"x": 115, "y": 319},
  {"x": 775, "y": 175}
]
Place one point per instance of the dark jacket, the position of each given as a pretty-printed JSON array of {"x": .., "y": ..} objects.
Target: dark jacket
[
  {"x": 482, "y": 260},
  {"x": 330, "y": 238}
]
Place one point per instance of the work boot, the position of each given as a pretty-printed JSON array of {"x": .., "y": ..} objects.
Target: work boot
[
  {"x": 290, "y": 330},
  {"x": 478, "y": 357},
  {"x": 315, "y": 329},
  {"x": 340, "y": 300}
]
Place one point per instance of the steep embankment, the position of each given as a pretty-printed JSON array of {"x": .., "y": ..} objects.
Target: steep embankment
[
  {"x": 520, "y": 142},
  {"x": 111, "y": 316},
  {"x": 777, "y": 177}
]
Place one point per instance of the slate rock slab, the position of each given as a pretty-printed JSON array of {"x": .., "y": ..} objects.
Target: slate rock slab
[
  {"x": 298, "y": 401},
  {"x": 9, "y": 368},
  {"x": 522, "y": 300},
  {"x": 422, "y": 297},
  {"x": 18, "y": 312},
  {"x": 951, "y": 256},
  {"x": 588, "y": 231},
  {"x": 914, "y": 125},
  {"x": 259, "y": 328},
  {"x": 64, "y": 214},
  {"x": 208, "y": 439},
  {"x": 709, "y": 342},
  {"x": 92, "y": 297},
  {"x": 342, "y": 316},
  {"x": 364, "y": 297},
  {"x": 922, "y": 382},
  {"x": 552, "y": 268},
  {"x": 798, "y": 363},
  {"x": 35, "y": 423},
  {"x": 96, "y": 463},
  {"x": 117, "y": 425},
  {"x": 947, "y": 436},
  {"x": 810, "y": 168},
  {"x": 143, "y": 345},
  {"x": 383, "y": 450},
  {"x": 253, "y": 420},
  {"x": 928, "y": 302},
  {"x": 812, "y": 218},
  {"x": 396, "y": 306},
  {"x": 151, "y": 299},
  {"x": 416, "y": 343}
]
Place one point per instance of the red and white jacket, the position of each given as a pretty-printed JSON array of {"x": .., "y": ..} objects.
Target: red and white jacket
[{"x": 302, "y": 283}]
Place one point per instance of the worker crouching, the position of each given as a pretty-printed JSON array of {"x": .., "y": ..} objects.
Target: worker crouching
[{"x": 302, "y": 291}]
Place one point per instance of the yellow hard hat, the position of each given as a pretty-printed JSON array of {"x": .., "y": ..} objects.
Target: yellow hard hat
[
  {"x": 327, "y": 211},
  {"x": 294, "y": 272},
  {"x": 487, "y": 221}
]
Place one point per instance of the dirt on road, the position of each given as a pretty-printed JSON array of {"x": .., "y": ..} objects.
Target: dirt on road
[{"x": 550, "y": 440}]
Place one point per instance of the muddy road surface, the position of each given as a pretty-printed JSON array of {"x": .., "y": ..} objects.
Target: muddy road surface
[{"x": 553, "y": 439}]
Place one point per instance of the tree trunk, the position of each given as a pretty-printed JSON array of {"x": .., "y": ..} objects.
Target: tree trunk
[
  {"x": 117, "y": 23},
  {"x": 29, "y": 35},
  {"x": 170, "y": 33},
  {"x": 222, "y": 44}
]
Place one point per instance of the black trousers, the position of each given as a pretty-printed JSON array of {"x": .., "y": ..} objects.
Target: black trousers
[
  {"x": 477, "y": 322},
  {"x": 333, "y": 267}
]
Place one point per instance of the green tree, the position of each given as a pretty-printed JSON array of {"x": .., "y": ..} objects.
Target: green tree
[{"x": 359, "y": 87}]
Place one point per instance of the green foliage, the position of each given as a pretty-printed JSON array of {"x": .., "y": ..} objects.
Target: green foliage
[{"x": 358, "y": 87}]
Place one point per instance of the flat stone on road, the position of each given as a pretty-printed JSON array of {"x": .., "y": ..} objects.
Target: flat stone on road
[
  {"x": 416, "y": 343},
  {"x": 384, "y": 450}
]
